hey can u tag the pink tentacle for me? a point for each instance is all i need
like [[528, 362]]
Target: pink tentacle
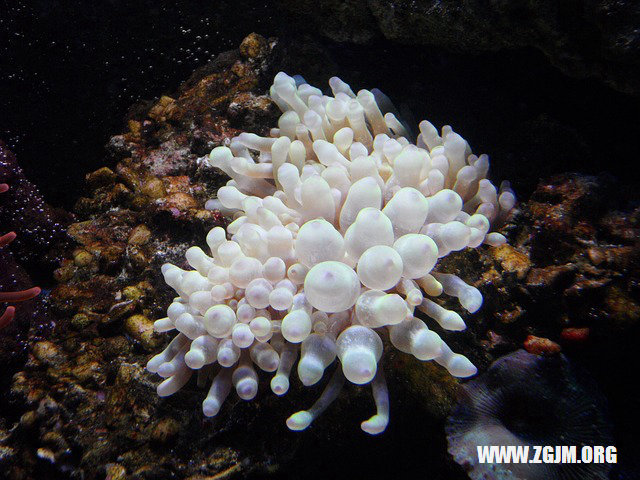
[[20, 296], [7, 238]]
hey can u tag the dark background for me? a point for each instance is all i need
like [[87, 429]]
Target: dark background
[[70, 70]]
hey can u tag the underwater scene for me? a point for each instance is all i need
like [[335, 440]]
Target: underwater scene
[[330, 239]]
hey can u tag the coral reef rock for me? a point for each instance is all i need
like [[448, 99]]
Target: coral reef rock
[[586, 39]]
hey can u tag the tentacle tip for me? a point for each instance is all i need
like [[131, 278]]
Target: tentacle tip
[[210, 408], [375, 425], [473, 307], [473, 301], [461, 367], [163, 389], [151, 368], [279, 385], [309, 376], [194, 359], [166, 370], [455, 322], [7, 238], [247, 389], [299, 420], [359, 367]]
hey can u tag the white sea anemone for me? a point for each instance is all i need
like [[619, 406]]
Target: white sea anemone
[[338, 223]]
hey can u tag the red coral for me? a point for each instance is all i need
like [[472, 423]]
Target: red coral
[[17, 296]]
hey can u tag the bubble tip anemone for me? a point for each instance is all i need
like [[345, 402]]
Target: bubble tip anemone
[[338, 222]]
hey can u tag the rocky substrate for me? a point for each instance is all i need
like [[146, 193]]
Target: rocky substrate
[[597, 38]]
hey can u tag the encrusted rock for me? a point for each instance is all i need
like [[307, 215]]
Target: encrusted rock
[[165, 430], [180, 201], [575, 335], [541, 346], [512, 260], [140, 235], [163, 110], [48, 353], [82, 258], [254, 46], [100, 178], [115, 471], [153, 188], [595, 39], [141, 328]]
